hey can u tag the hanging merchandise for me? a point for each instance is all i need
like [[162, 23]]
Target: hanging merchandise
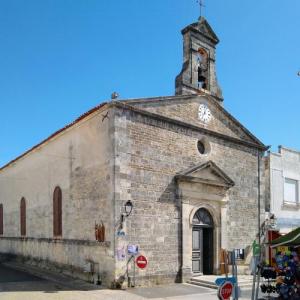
[[284, 277], [288, 280], [269, 274]]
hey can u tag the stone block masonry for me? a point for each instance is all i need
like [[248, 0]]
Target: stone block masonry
[[152, 152]]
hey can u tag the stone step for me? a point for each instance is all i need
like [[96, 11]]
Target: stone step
[[203, 283]]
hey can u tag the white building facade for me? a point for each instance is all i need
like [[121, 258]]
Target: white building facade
[[283, 178]]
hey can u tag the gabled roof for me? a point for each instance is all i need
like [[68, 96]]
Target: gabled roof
[[208, 173], [141, 104], [129, 104], [203, 28]]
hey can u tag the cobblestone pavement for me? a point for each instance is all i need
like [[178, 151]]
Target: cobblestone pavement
[[20, 285]]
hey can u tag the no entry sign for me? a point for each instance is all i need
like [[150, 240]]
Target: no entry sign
[[141, 262], [225, 290]]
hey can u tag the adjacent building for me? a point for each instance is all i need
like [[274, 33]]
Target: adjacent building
[[189, 170], [283, 176]]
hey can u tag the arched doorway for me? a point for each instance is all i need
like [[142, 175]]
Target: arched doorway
[[203, 248]]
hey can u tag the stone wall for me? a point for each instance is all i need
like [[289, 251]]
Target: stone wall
[[70, 257], [79, 161], [185, 108], [151, 152]]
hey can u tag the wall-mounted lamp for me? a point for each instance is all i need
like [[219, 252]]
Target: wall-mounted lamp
[[128, 208], [271, 222]]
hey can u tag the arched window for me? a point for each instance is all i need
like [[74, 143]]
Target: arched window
[[202, 217], [23, 216], [57, 212], [1, 219]]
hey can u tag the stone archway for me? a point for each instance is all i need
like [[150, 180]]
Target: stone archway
[[190, 207], [203, 187], [202, 242]]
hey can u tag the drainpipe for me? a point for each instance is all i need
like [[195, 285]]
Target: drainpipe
[[255, 286], [181, 239], [258, 197], [179, 203], [259, 156]]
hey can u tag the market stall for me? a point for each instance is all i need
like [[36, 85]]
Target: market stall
[[286, 270]]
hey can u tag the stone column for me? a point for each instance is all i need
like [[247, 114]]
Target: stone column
[[217, 246], [186, 243], [224, 241]]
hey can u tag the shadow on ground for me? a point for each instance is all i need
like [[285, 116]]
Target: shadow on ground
[[16, 280], [170, 291]]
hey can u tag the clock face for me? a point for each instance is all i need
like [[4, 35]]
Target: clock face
[[204, 113]]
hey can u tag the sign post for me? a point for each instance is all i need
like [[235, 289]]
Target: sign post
[[225, 290]]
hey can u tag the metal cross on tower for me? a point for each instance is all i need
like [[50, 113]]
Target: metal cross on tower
[[201, 4]]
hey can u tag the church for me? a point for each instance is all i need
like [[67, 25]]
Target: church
[[173, 178]]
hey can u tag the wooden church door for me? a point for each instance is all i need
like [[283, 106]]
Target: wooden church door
[[202, 242]]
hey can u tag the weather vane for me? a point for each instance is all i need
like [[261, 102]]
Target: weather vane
[[201, 4]]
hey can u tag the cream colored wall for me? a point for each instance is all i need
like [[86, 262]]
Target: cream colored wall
[[80, 161]]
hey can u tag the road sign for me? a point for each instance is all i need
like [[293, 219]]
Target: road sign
[[133, 249], [221, 280], [141, 262], [225, 290]]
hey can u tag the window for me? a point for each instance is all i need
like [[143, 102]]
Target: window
[[57, 212], [203, 217], [1, 219], [23, 216], [203, 146], [290, 190]]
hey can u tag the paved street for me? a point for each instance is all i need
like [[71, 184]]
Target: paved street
[[20, 285]]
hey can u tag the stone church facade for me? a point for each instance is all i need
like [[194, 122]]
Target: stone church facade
[[189, 169]]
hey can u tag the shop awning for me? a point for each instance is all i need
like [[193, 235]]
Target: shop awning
[[290, 239]]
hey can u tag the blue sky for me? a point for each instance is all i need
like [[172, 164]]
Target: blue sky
[[60, 58]]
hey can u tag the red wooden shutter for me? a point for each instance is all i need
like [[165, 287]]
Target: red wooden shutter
[[57, 212], [23, 217], [1, 219]]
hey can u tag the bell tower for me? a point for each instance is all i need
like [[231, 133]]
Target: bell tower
[[198, 72]]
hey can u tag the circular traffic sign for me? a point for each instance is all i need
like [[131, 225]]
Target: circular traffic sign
[[225, 290], [141, 262]]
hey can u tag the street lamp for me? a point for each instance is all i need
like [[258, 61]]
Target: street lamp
[[128, 208]]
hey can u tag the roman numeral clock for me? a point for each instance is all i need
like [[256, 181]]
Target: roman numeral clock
[[204, 113]]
